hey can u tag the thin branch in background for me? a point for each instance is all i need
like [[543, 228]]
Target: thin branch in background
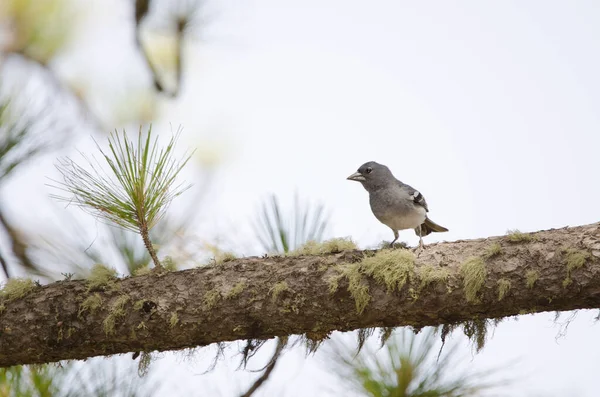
[[137, 194], [18, 247], [141, 10], [4, 266], [268, 369], [186, 17], [181, 25], [153, 71], [182, 16], [250, 349]]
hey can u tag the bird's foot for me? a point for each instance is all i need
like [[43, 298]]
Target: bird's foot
[[417, 250]]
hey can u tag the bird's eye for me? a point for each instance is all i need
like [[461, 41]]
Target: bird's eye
[[368, 170]]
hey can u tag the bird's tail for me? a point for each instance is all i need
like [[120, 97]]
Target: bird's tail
[[430, 226]]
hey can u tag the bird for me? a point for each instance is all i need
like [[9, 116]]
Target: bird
[[395, 204]]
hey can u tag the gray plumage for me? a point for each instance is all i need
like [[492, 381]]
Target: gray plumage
[[395, 204]]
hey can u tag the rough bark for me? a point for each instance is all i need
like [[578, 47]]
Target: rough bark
[[276, 296]]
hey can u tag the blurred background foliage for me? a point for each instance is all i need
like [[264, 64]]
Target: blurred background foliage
[[408, 364], [49, 104]]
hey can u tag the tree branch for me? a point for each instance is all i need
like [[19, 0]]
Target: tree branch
[[259, 298]]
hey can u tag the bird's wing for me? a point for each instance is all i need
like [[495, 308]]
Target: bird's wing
[[416, 196]]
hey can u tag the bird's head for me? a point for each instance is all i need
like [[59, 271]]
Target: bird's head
[[372, 175]]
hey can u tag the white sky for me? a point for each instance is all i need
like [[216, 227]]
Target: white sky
[[490, 109]]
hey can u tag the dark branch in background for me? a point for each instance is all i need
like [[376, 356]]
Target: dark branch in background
[[268, 369], [181, 17], [141, 10], [181, 27], [4, 266], [18, 246]]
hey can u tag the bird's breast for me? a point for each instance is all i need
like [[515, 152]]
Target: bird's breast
[[395, 209]]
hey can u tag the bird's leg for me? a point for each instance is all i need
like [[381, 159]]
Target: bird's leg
[[396, 235], [421, 245]]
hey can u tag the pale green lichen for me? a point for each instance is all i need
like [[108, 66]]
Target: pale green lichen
[[492, 251], [398, 244], [394, 268], [504, 286], [515, 236], [363, 335], [2, 308], [325, 247], [139, 304], [211, 298], [566, 282], [117, 310], [169, 264], [384, 334], [277, 289], [429, 274], [173, 320], [574, 259], [476, 330], [391, 267], [334, 281], [474, 274], [101, 277], [236, 290], [223, 257], [531, 277], [16, 288], [90, 304], [313, 340], [359, 290], [142, 270], [323, 267], [144, 364]]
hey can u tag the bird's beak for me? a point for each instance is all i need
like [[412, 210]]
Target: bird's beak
[[357, 176]]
